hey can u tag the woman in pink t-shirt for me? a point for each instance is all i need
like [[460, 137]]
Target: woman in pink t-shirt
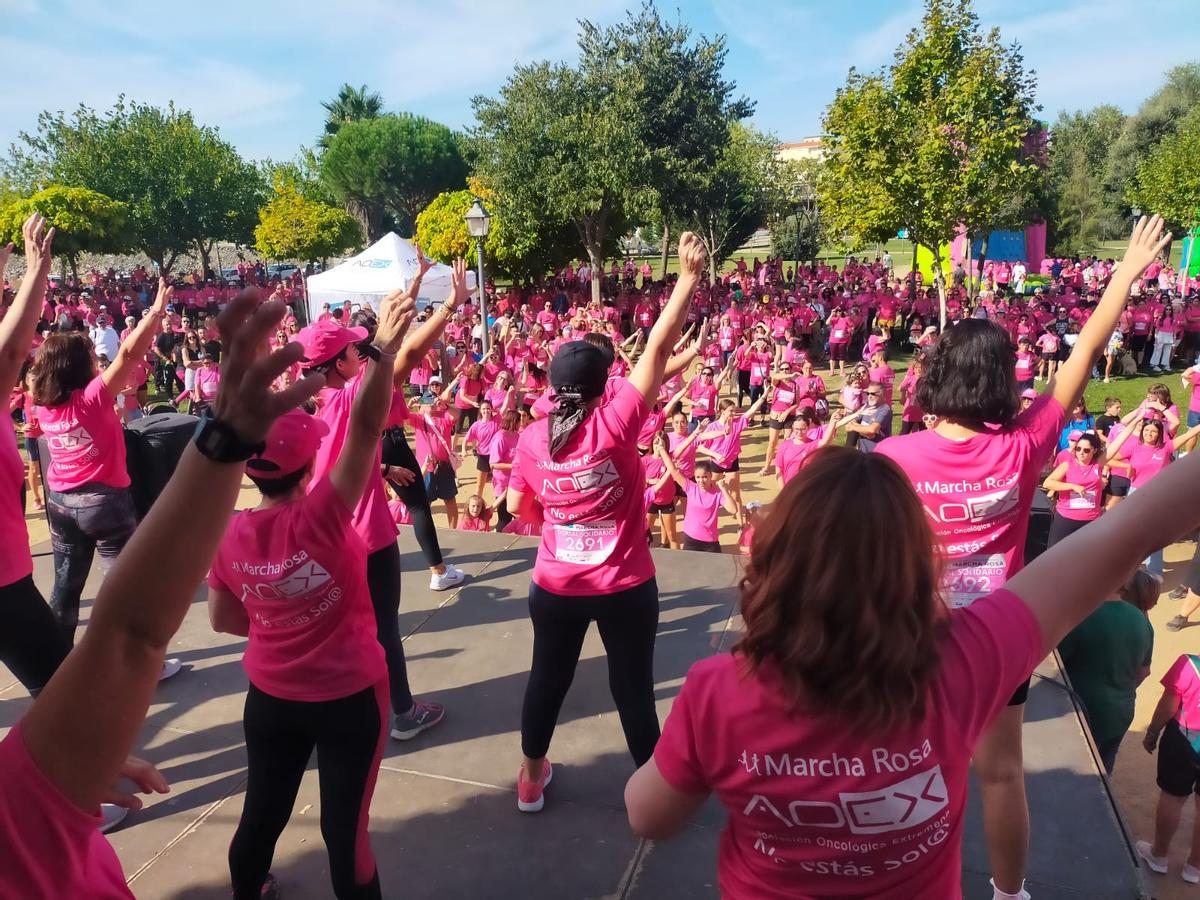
[[1078, 481], [579, 473], [806, 438], [88, 504], [841, 330], [706, 497], [480, 434], [838, 734], [977, 470], [69, 749]]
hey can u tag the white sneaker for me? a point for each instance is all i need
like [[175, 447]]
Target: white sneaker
[[998, 894], [111, 816], [1154, 863], [170, 669], [1190, 874], [452, 577]]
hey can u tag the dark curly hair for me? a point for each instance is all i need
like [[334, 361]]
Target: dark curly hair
[[970, 375]]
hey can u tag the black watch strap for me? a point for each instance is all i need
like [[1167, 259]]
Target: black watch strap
[[218, 442]]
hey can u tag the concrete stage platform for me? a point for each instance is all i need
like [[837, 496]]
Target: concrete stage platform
[[444, 818]]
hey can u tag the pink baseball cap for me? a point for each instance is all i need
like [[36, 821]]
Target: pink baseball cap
[[324, 340], [1075, 435], [1029, 394], [291, 445]]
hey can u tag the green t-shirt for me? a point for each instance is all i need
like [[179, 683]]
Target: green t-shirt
[[1102, 656]]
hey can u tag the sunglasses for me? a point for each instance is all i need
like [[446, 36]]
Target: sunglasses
[[874, 393]]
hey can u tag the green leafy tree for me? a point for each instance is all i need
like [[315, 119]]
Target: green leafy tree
[[1158, 117], [737, 195], [184, 187], [1081, 214], [352, 104], [685, 105], [391, 164], [795, 223], [302, 173], [86, 221], [291, 226], [562, 145], [942, 138], [1168, 180]]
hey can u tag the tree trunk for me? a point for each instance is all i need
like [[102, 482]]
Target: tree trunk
[[712, 256], [595, 263], [204, 250], [666, 247]]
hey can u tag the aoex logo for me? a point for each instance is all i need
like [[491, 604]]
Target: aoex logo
[[373, 263]]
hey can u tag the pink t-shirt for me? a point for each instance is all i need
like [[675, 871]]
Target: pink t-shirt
[[473, 523], [791, 457], [687, 462], [85, 440], [1193, 378], [1147, 461], [1183, 680], [481, 433], [594, 538], [502, 448], [704, 399], [51, 847], [653, 469], [978, 494], [207, 380], [1086, 506], [703, 508], [432, 434], [820, 809], [372, 520], [15, 559], [300, 570], [726, 446], [400, 513]]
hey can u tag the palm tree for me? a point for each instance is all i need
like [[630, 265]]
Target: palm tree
[[350, 105]]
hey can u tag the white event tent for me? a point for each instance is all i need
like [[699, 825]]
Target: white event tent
[[387, 265]]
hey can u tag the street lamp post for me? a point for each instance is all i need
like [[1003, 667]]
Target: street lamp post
[[478, 223]]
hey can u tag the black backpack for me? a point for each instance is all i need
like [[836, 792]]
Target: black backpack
[[154, 445]]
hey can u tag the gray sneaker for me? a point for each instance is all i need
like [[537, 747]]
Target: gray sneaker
[[1178, 623], [421, 717]]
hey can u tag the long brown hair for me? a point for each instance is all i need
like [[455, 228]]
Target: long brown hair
[[64, 363], [840, 597]]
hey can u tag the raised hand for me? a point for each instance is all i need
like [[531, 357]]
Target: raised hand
[[38, 242], [163, 297], [245, 401], [458, 283], [702, 337], [693, 256], [423, 264], [395, 315], [6, 250], [1145, 244]]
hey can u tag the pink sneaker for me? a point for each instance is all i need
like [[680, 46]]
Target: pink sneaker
[[531, 794]]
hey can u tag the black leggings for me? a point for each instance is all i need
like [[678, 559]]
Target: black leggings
[[31, 643], [348, 735], [628, 621], [414, 497], [383, 582], [907, 427], [743, 384], [1061, 527]]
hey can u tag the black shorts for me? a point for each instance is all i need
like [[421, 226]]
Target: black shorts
[[837, 352], [1118, 485], [1050, 357], [735, 466], [1063, 352], [776, 425], [663, 507], [1178, 765], [1021, 694], [482, 463], [441, 483], [690, 543], [1137, 342]]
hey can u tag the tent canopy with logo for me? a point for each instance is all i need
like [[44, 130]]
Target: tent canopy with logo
[[387, 265]]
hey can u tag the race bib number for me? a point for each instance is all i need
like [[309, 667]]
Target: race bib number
[[785, 396], [972, 577], [838, 334], [585, 544], [1086, 500], [758, 371]]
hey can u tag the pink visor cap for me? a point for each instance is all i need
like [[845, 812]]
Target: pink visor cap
[[324, 340], [291, 445]]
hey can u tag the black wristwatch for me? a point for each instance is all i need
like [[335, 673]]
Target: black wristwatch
[[217, 441]]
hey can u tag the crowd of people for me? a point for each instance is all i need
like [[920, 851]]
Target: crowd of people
[[888, 615]]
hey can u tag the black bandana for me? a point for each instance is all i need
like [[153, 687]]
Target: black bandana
[[566, 416]]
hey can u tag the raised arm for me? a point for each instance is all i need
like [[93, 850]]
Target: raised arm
[[19, 323], [1072, 578], [1145, 244], [369, 413], [133, 348], [82, 726], [422, 340], [647, 375]]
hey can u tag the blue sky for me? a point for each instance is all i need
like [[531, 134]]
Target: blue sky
[[258, 70]]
